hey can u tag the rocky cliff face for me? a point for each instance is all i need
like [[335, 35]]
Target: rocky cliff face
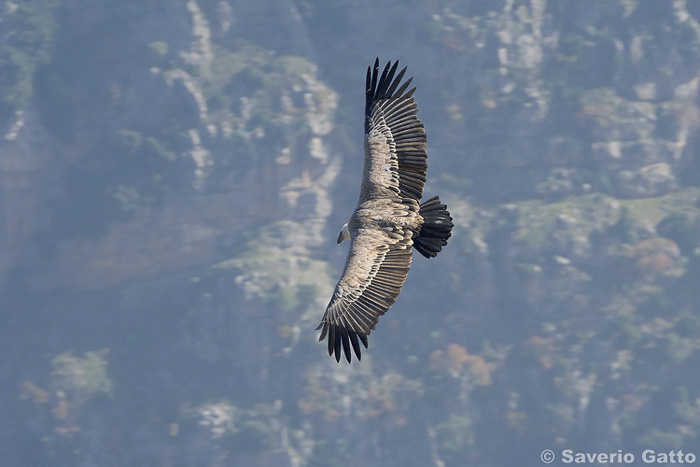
[[172, 178]]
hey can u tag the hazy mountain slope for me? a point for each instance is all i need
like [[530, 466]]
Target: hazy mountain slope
[[173, 177]]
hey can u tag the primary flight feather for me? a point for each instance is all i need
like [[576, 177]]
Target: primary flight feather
[[388, 219]]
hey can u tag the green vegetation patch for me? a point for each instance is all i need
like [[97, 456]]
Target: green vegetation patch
[[82, 377], [654, 209], [26, 47], [619, 118], [160, 48], [253, 93], [271, 273], [580, 215], [584, 214]]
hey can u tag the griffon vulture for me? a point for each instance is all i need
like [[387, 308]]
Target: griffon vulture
[[388, 219]]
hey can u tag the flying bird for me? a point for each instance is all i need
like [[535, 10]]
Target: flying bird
[[388, 220]]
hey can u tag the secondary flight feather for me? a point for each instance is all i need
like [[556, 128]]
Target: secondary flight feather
[[388, 220]]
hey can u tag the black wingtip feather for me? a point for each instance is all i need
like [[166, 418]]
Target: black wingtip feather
[[346, 344], [338, 343], [323, 333], [403, 87], [375, 75], [363, 338], [331, 340], [368, 90], [356, 345]]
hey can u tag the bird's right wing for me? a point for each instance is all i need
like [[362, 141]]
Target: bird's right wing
[[376, 268]]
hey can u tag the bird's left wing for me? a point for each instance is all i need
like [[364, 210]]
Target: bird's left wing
[[376, 268]]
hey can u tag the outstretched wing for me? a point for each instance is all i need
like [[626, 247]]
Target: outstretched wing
[[395, 155], [376, 268]]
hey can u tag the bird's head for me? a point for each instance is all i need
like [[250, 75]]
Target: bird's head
[[344, 233]]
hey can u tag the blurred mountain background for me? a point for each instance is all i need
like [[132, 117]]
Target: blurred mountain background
[[173, 176]]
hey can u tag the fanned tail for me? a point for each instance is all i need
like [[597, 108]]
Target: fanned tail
[[436, 229]]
